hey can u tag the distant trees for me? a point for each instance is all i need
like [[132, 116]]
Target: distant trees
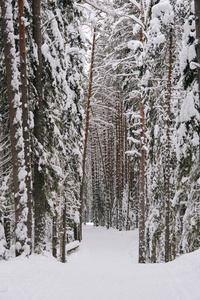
[[141, 71]]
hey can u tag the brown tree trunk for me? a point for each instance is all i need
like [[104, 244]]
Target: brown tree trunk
[[25, 114], [86, 133], [39, 199], [63, 234], [15, 126]]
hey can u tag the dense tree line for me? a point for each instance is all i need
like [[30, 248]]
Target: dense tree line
[[42, 56], [139, 165], [145, 121]]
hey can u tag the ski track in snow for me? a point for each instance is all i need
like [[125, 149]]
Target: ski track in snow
[[104, 268]]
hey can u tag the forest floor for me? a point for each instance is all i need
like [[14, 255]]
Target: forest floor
[[103, 268]]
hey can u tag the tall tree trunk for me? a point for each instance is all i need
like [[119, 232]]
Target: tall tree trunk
[[117, 166], [25, 114], [86, 133], [167, 167], [127, 179], [95, 183], [93, 176], [142, 250], [105, 161], [128, 196], [120, 153], [16, 132], [110, 173], [39, 199], [197, 21]]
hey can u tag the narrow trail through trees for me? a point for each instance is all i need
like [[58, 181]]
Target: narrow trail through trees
[[104, 267]]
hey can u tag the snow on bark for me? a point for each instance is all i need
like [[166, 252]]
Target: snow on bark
[[15, 114], [2, 241]]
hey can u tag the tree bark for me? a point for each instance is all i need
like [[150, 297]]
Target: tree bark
[[94, 179], [16, 132], [120, 153], [7, 227], [110, 173], [117, 166], [167, 167], [142, 250], [197, 21], [39, 199], [25, 114], [63, 234]]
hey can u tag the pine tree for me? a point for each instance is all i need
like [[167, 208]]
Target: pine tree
[[186, 199], [87, 130], [16, 129], [156, 87], [25, 115], [39, 197], [63, 93]]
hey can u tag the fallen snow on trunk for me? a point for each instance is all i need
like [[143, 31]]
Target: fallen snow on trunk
[[103, 268]]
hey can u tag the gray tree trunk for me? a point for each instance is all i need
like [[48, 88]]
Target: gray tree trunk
[[197, 21], [167, 163]]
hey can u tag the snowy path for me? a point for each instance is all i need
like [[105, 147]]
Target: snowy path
[[104, 268]]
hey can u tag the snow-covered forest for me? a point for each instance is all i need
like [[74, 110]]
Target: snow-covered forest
[[99, 122]]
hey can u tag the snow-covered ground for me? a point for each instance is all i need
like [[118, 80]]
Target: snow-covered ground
[[104, 268]]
